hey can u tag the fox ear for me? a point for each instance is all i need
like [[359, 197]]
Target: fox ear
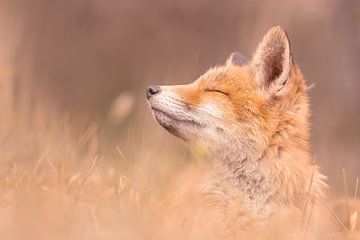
[[272, 62], [237, 59]]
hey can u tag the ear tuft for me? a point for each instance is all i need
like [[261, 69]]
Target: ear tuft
[[236, 59], [272, 62]]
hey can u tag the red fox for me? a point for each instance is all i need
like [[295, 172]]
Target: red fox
[[253, 118]]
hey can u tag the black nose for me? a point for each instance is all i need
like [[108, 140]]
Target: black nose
[[152, 90]]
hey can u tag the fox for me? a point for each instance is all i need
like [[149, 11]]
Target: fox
[[252, 117]]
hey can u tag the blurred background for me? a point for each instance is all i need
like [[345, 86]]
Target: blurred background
[[91, 60]]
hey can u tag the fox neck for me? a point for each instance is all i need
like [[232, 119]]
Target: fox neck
[[242, 177], [271, 179]]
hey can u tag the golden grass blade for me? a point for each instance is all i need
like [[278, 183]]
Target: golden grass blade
[[307, 201], [352, 223], [35, 168], [333, 214], [346, 194], [356, 187], [92, 167], [132, 182]]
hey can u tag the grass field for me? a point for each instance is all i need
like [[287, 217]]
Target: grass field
[[65, 177]]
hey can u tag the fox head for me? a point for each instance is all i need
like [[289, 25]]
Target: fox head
[[242, 103]]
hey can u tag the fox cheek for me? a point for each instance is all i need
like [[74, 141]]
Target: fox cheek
[[211, 109]]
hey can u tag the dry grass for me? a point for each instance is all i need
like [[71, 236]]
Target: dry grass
[[63, 180]]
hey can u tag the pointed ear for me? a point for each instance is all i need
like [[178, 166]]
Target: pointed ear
[[272, 62], [237, 59]]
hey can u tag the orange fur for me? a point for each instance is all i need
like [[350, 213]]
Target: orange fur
[[254, 121]]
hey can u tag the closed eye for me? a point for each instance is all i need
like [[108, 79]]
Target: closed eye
[[217, 91]]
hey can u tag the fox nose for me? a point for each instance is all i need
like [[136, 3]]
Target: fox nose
[[152, 90]]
